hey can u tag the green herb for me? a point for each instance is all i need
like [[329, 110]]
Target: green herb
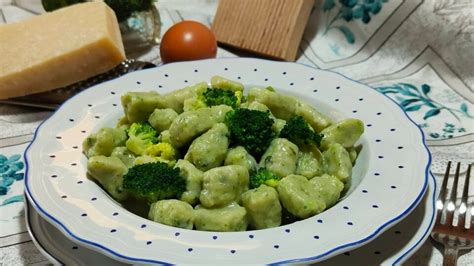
[[123, 8]]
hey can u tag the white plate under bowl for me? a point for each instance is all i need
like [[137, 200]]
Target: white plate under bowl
[[389, 178], [393, 247]]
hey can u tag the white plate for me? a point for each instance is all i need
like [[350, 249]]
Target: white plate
[[389, 179], [392, 247]]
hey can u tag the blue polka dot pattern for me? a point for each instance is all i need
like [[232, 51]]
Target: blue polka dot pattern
[[377, 132]]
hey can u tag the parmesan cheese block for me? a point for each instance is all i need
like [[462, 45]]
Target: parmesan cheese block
[[58, 48]]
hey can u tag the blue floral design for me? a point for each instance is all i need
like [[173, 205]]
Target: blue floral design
[[448, 131], [10, 171], [412, 98], [351, 10]]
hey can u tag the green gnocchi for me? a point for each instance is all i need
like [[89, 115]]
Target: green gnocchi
[[226, 186]]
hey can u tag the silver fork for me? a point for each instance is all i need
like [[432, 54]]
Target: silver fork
[[453, 236]]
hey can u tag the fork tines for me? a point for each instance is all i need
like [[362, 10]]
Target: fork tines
[[447, 207]]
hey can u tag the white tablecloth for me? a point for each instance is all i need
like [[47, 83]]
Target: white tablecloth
[[398, 45]]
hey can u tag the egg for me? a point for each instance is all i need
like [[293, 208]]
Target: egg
[[188, 40]]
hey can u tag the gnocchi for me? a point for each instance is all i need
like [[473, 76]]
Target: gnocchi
[[226, 184]]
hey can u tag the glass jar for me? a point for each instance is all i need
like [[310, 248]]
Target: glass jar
[[141, 31]]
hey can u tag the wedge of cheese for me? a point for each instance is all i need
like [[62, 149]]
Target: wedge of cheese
[[59, 48]]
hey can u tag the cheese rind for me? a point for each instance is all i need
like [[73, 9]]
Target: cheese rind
[[58, 49]]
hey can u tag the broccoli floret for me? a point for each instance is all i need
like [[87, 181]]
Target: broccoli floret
[[214, 97], [154, 181], [124, 8], [298, 131], [263, 176], [141, 136], [163, 151], [251, 129]]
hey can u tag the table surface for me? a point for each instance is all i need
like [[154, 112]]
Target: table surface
[[395, 49]]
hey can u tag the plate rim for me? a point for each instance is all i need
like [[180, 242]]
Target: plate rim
[[327, 254], [395, 261]]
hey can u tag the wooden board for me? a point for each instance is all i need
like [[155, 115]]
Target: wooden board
[[271, 28]]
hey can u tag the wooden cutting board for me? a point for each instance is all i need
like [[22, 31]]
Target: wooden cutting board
[[272, 28]]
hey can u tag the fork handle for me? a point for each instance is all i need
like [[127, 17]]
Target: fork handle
[[450, 256]]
